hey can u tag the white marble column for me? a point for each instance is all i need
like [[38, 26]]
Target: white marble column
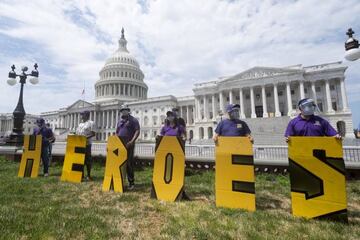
[[117, 117], [180, 112], [103, 122], [263, 93], [276, 101], [221, 100], [328, 97], [213, 107], [71, 121], [301, 87], [199, 109], [252, 101], [231, 100], [241, 98], [206, 110], [108, 119], [344, 100], [111, 118], [187, 115], [313, 92], [288, 98]]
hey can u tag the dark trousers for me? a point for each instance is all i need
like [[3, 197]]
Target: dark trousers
[[130, 165], [88, 160], [45, 158]]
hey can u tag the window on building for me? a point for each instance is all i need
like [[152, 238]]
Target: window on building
[[247, 96], [334, 106], [162, 109], [305, 90], [154, 109], [280, 93], [268, 94], [237, 98], [117, 74], [125, 74], [332, 87], [209, 100], [227, 99], [320, 106], [145, 111], [154, 120], [292, 92], [317, 89], [122, 74]]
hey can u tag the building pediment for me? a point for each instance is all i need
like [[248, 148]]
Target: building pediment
[[263, 72], [80, 104]]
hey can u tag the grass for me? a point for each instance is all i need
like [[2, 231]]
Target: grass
[[45, 208]]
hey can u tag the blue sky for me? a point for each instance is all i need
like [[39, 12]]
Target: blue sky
[[177, 43]]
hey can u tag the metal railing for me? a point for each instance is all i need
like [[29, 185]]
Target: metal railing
[[263, 154]]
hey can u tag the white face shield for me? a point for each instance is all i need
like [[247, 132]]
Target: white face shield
[[234, 114], [308, 107], [124, 113]]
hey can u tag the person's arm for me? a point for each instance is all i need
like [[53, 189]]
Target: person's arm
[[330, 131], [92, 131], [136, 134], [289, 131], [182, 133], [217, 133], [162, 131], [248, 132]]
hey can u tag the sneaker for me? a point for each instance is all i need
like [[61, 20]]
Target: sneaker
[[131, 186], [46, 175]]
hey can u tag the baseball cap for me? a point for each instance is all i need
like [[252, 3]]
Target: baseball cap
[[231, 107]]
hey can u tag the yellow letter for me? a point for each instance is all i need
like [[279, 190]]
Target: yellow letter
[[30, 159], [317, 176], [115, 165], [74, 159], [234, 177], [169, 169]]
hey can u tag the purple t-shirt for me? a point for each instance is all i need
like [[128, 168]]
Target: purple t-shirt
[[167, 130], [126, 128], [235, 127], [315, 126], [45, 132]]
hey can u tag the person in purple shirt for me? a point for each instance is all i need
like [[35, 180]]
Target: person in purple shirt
[[172, 127], [308, 124], [233, 126], [47, 138], [128, 129]]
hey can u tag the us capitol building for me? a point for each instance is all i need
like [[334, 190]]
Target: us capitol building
[[267, 96]]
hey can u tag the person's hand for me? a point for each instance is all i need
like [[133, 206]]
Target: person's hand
[[129, 144], [338, 136], [251, 139], [287, 139], [215, 138]]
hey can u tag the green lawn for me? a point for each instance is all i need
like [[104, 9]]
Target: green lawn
[[45, 208]]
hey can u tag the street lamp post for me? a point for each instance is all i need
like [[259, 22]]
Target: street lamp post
[[17, 135], [352, 50]]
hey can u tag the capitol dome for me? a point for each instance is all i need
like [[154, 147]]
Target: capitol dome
[[121, 77]]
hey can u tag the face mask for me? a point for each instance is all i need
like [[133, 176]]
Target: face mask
[[308, 109], [234, 114], [170, 118]]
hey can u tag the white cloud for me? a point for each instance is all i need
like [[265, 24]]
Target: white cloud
[[177, 42]]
